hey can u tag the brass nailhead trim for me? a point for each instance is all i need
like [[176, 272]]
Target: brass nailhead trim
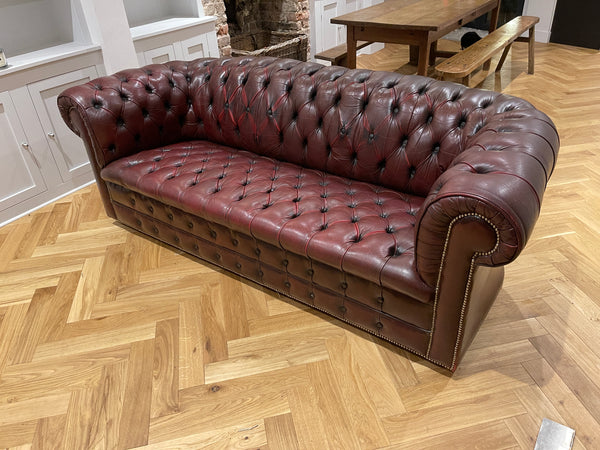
[[468, 285]]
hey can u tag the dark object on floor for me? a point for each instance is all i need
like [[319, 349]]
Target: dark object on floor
[[390, 202], [465, 62], [469, 39]]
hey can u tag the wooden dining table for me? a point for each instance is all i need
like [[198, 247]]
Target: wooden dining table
[[418, 23]]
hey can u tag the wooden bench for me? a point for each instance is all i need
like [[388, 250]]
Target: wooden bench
[[338, 56], [465, 62]]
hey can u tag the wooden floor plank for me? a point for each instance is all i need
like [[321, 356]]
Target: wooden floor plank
[[191, 344], [137, 396], [165, 379], [573, 376], [494, 435], [35, 408], [452, 417], [308, 421], [281, 433], [49, 433], [365, 421], [16, 434], [333, 411]]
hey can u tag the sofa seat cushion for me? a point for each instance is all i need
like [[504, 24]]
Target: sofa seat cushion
[[356, 227]]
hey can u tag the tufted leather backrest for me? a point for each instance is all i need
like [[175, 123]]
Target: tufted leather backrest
[[401, 132]]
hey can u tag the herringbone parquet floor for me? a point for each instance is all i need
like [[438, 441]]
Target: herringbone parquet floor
[[111, 340]]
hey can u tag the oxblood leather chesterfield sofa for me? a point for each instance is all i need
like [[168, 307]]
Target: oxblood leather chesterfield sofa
[[390, 202]]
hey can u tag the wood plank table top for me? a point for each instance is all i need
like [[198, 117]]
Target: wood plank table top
[[414, 22]]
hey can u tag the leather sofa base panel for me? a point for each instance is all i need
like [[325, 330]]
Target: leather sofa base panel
[[258, 269]]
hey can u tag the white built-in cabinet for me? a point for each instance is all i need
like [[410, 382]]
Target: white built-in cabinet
[[325, 34], [48, 48], [183, 44], [54, 44], [20, 173], [166, 30]]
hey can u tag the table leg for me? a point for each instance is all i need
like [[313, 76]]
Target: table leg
[[493, 25], [424, 49], [351, 47]]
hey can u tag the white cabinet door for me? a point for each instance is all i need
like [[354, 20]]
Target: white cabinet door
[[328, 35], [67, 149], [20, 174]]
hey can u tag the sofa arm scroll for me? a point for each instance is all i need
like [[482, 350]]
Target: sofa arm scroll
[[135, 109], [499, 180]]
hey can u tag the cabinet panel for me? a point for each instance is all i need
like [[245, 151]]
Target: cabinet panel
[[160, 55], [196, 47], [20, 175], [68, 152]]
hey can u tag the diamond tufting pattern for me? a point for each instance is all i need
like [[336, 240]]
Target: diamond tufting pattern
[[352, 226]]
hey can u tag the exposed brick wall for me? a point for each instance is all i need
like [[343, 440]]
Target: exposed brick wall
[[285, 15], [217, 8], [254, 15]]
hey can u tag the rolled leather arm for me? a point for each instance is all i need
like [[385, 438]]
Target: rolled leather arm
[[499, 179], [134, 110]]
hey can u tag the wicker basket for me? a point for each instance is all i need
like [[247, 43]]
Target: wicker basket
[[279, 44]]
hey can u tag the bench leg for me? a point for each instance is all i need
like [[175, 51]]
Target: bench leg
[[503, 58], [432, 53], [414, 54], [531, 50]]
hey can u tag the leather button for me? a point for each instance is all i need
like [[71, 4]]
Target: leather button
[[154, 229], [379, 325], [261, 273], [170, 216], [218, 256], [151, 209], [285, 262], [311, 295], [176, 239], [257, 251], [287, 284], [132, 201], [344, 285], [343, 309], [196, 247], [213, 234], [238, 265], [235, 242], [190, 225], [379, 300], [310, 272], [138, 222]]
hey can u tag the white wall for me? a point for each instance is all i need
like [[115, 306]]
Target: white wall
[[108, 26], [544, 9]]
